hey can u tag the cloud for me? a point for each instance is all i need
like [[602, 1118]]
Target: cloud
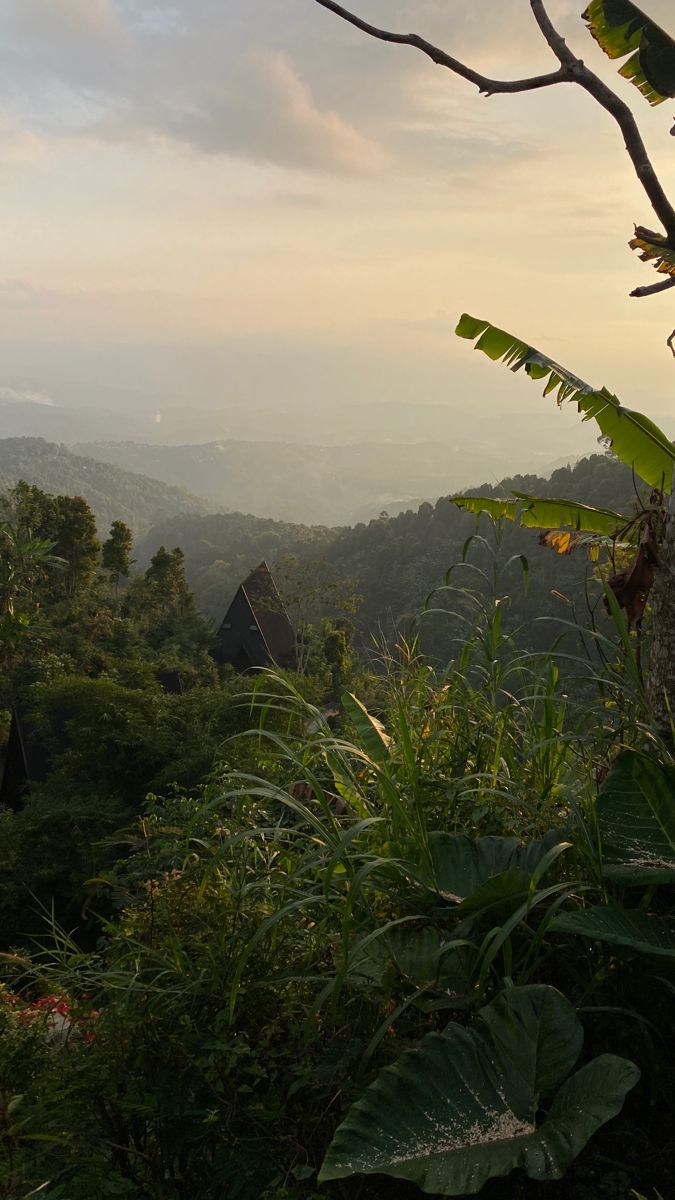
[[273, 81], [19, 293], [43, 19], [11, 395], [264, 112]]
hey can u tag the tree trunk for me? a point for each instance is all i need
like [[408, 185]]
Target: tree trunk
[[661, 676]]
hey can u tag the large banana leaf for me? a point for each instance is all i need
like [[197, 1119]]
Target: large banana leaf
[[537, 513], [635, 439], [620, 28], [463, 1107], [620, 927], [636, 820]]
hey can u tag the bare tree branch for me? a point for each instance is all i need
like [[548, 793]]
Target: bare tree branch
[[637, 151], [653, 288], [486, 86], [670, 342], [572, 70]]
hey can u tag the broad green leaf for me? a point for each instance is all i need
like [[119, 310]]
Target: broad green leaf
[[462, 1108], [373, 737], [635, 439], [501, 894], [462, 864], [536, 1029], [620, 927], [485, 504], [636, 820], [538, 513], [621, 28], [422, 955]]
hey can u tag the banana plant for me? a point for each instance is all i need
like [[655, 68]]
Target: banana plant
[[621, 29], [644, 447]]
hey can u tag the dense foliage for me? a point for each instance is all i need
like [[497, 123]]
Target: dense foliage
[[394, 564], [251, 939], [420, 940]]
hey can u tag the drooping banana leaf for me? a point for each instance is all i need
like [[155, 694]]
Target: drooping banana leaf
[[538, 513], [564, 541], [636, 820], [485, 504], [654, 248], [463, 1107], [620, 927], [621, 28], [635, 439]]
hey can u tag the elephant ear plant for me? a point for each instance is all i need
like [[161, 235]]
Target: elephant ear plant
[[469, 1105], [475, 1102], [636, 824]]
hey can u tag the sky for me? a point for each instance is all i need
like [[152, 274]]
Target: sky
[[208, 197]]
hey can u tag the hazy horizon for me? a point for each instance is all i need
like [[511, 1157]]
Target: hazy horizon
[[217, 208]]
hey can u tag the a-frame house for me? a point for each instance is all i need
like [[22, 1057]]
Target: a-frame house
[[256, 630]]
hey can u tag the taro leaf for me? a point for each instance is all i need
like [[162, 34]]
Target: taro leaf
[[462, 1107], [621, 28], [536, 1030], [636, 820], [620, 927], [635, 439], [416, 954], [374, 738], [536, 513], [462, 864], [503, 893]]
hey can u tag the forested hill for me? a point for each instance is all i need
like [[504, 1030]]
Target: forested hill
[[221, 548], [393, 562], [396, 563], [112, 494]]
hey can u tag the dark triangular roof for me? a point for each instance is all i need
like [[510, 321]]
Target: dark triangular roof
[[256, 630], [270, 614]]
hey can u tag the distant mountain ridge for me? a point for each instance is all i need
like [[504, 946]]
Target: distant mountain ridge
[[112, 493], [309, 484]]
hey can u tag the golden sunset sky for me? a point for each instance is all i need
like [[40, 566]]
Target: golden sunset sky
[[255, 179]]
